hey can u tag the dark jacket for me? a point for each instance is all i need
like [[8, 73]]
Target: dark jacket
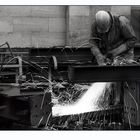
[[120, 32]]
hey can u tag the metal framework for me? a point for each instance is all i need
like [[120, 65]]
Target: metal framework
[[90, 73]]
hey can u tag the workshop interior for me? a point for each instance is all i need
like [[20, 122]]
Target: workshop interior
[[49, 78]]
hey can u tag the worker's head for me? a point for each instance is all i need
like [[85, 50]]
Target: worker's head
[[103, 21]]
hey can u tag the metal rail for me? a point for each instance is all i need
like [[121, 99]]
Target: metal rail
[[88, 74]]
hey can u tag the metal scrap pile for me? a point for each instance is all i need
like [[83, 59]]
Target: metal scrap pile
[[65, 93]]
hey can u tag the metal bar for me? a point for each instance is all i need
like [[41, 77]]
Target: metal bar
[[3, 44], [20, 65], [10, 50], [87, 74], [14, 53], [11, 66], [115, 111]]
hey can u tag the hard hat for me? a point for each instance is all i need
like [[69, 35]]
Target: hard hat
[[103, 21]]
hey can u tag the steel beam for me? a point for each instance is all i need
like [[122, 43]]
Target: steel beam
[[87, 74], [114, 113]]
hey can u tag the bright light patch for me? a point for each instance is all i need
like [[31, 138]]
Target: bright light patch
[[87, 103]]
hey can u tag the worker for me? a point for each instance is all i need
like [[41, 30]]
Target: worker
[[111, 36]]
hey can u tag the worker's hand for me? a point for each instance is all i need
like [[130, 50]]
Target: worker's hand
[[102, 64], [101, 61]]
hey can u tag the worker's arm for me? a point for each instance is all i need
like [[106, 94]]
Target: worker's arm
[[128, 35], [122, 48], [95, 46], [98, 55]]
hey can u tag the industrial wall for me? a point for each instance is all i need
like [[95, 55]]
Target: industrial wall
[[32, 26], [48, 26], [78, 25]]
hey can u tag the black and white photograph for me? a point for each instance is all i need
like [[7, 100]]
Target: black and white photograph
[[70, 67]]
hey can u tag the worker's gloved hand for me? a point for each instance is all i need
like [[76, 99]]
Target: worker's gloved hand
[[101, 63], [101, 60]]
